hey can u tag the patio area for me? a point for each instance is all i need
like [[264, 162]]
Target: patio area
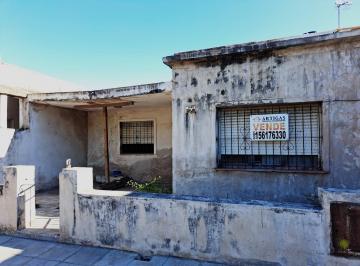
[[45, 224]]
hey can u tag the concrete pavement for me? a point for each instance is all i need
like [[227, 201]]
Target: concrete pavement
[[21, 251]]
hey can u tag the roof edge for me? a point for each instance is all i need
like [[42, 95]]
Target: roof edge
[[12, 91], [102, 93], [251, 47]]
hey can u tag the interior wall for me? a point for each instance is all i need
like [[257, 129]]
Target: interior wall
[[139, 167], [55, 135]]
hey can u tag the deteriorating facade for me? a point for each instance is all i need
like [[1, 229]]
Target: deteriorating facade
[[313, 80]]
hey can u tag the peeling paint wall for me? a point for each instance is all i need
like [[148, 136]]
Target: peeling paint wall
[[194, 227], [140, 167], [55, 134], [329, 73]]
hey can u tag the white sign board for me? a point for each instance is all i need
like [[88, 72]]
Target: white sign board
[[271, 127]]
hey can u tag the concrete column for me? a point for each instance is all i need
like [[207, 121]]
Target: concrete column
[[67, 195], [24, 122], [71, 182], [3, 111]]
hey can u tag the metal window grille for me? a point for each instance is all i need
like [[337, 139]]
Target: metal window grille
[[137, 137], [301, 152]]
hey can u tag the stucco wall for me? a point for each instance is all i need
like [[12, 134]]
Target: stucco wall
[[140, 167], [194, 227], [329, 73], [55, 134]]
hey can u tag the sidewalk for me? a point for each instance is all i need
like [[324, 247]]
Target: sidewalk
[[20, 251]]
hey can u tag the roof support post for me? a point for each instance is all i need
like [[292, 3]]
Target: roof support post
[[24, 119], [106, 144]]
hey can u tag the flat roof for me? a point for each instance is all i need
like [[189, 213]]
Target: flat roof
[[112, 93], [138, 95], [254, 47]]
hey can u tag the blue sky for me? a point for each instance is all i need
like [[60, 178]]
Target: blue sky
[[112, 43]]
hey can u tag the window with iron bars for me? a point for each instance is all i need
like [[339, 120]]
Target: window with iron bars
[[137, 137], [302, 150]]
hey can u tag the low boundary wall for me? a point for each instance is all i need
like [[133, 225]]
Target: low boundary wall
[[17, 197], [194, 227]]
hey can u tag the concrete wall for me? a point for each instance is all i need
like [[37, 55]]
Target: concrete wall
[[140, 167], [329, 73], [17, 197], [194, 227], [54, 135]]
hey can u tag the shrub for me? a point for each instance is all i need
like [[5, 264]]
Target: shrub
[[152, 186]]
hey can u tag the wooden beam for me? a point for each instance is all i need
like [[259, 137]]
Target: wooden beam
[[97, 105], [106, 145]]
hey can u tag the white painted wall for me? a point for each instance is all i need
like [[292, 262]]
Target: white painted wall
[[3, 111], [6, 136]]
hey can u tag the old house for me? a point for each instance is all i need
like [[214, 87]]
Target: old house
[[259, 142], [313, 79]]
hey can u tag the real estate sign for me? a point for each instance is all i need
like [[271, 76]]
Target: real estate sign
[[269, 127]]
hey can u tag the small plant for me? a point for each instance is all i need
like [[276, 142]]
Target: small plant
[[344, 244], [153, 186]]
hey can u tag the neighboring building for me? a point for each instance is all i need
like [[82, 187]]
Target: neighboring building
[[314, 79], [20, 81], [28, 132]]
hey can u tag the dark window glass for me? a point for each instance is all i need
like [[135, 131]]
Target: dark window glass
[[137, 137]]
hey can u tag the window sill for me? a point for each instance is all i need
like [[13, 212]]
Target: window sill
[[321, 172]]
